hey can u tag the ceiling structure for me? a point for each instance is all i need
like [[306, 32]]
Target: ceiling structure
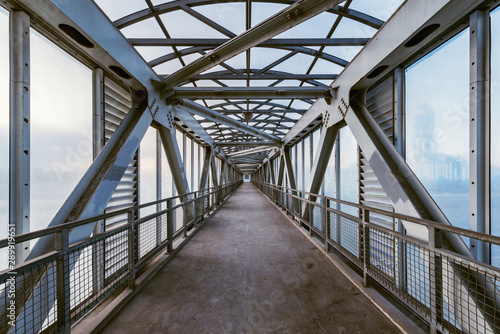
[[251, 100]]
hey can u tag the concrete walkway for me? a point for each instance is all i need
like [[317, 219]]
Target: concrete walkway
[[248, 270]]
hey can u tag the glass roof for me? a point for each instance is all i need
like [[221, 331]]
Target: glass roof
[[173, 34]]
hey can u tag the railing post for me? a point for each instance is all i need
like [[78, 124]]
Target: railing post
[[131, 249], [62, 282], [169, 225], [366, 247], [436, 271], [326, 221]]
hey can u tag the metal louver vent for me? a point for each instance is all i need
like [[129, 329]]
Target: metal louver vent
[[379, 101], [118, 102]]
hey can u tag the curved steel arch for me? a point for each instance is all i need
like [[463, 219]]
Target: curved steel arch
[[177, 5], [299, 49], [259, 102]]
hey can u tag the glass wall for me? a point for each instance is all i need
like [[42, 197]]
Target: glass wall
[[61, 127], [147, 171], [187, 163], [348, 170], [299, 170], [495, 134], [307, 162], [437, 126], [4, 129]]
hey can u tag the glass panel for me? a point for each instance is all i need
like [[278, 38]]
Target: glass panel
[[196, 178], [330, 176], [166, 176], [147, 172], [495, 135], [4, 130], [61, 127], [437, 126], [299, 159], [307, 162], [187, 164], [348, 170]]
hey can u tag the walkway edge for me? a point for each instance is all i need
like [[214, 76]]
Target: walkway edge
[[93, 324], [385, 307]]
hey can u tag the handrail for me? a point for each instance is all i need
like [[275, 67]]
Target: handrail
[[70, 225], [450, 291], [428, 223]]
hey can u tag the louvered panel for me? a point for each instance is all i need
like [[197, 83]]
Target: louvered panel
[[379, 102], [118, 102]]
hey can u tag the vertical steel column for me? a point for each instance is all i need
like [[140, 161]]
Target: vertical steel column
[[480, 131], [62, 282], [192, 164], [19, 154], [400, 142], [337, 184], [97, 145], [158, 186]]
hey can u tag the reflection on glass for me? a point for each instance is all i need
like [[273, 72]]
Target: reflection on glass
[[495, 134], [307, 161], [147, 172], [348, 170], [187, 164], [61, 127], [348, 189], [166, 176], [4, 129], [330, 176], [437, 126]]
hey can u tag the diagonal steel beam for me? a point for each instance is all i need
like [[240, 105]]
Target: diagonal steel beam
[[196, 109], [278, 23]]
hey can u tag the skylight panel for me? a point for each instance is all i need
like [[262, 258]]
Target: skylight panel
[[168, 67], [150, 53], [261, 57], [238, 61], [379, 9], [180, 24], [316, 27], [264, 10], [352, 29], [118, 9], [299, 63], [144, 29], [229, 15], [344, 52], [322, 66]]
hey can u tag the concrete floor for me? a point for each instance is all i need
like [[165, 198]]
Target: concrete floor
[[249, 271]]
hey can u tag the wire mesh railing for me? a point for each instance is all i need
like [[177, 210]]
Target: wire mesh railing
[[48, 294], [452, 292]]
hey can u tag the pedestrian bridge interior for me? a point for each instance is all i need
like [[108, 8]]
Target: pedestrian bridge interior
[[249, 166]]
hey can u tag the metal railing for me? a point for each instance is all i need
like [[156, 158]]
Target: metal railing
[[51, 292], [451, 292]]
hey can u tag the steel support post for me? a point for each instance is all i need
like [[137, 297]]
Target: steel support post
[[63, 271], [323, 154], [131, 248], [326, 221], [400, 142], [170, 226], [480, 131], [19, 153], [436, 279], [97, 145], [175, 162], [192, 164], [337, 187], [158, 187], [365, 250], [291, 178]]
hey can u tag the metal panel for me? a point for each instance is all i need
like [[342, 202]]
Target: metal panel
[[380, 104], [117, 102]]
